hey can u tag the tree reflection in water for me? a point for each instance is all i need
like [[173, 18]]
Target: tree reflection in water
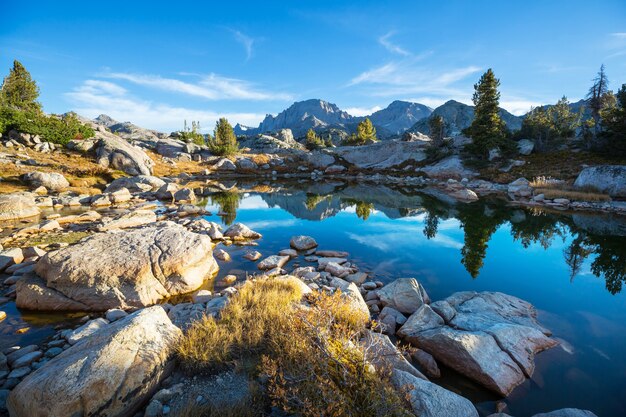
[[228, 201]]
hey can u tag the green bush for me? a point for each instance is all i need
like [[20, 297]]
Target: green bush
[[313, 141], [55, 129]]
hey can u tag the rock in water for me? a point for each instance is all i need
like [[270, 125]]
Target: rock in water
[[491, 337], [17, 206], [111, 373], [431, 400], [302, 242], [120, 269], [404, 294], [610, 179], [114, 152]]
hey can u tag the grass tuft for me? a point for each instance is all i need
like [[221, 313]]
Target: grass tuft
[[309, 354]]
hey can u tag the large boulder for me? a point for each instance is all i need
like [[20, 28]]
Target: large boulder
[[525, 146], [120, 269], [113, 372], [17, 206], [53, 181], [114, 152], [140, 183], [491, 338], [567, 412], [404, 294], [610, 179], [382, 155], [450, 167], [431, 400]]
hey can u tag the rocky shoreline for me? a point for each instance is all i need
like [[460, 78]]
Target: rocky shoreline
[[173, 254]]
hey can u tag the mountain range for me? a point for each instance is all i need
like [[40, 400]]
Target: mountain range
[[392, 121]]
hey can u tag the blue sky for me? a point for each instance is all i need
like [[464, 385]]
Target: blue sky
[[157, 63]]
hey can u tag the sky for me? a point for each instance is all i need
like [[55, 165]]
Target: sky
[[157, 64]]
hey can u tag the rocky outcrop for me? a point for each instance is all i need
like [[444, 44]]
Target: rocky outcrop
[[132, 219], [610, 179], [139, 183], [490, 337], [114, 152], [450, 167], [53, 181], [17, 206], [113, 372], [120, 269], [381, 155]]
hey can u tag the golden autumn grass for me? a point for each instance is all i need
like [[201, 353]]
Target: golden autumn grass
[[309, 354], [82, 172]]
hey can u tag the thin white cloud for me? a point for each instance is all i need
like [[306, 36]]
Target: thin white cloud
[[619, 35], [95, 97], [390, 46], [246, 41], [405, 77], [362, 111], [519, 107], [211, 86]]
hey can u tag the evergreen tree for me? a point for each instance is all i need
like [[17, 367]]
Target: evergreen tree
[[313, 141], [614, 122], [547, 124], [19, 91], [224, 142], [365, 131], [437, 130], [597, 97], [487, 130]]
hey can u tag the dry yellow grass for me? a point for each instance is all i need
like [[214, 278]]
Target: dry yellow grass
[[309, 354], [573, 195], [163, 169], [82, 172]]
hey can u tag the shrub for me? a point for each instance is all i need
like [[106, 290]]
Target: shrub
[[310, 356], [192, 134], [55, 129]]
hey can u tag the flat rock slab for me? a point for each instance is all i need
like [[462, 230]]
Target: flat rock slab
[[491, 337], [110, 373], [18, 206], [120, 269]]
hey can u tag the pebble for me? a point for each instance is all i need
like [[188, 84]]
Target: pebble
[[202, 296], [52, 352], [115, 314], [369, 285], [19, 372], [27, 359]]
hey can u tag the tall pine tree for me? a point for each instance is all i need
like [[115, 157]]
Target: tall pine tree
[[437, 130], [19, 91], [597, 97], [487, 130]]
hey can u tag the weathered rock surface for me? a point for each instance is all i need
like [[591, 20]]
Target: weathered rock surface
[[404, 294], [114, 152], [610, 179], [111, 373], [17, 206], [132, 219], [450, 167], [491, 337], [302, 242], [102, 272], [431, 400], [380, 352], [382, 155], [273, 261], [140, 183], [53, 181], [240, 231]]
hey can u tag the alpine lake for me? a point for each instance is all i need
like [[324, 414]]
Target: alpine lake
[[570, 265]]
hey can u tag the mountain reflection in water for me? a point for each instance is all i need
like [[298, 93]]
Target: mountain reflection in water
[[593, 236]]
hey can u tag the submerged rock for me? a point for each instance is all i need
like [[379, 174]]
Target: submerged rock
[[110, 373], [102, 272]]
